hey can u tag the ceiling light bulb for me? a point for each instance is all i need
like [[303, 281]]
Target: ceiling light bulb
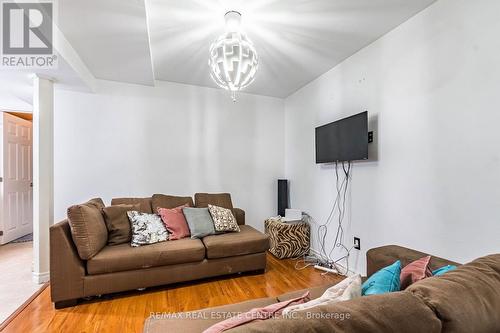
[[233, 21], [233, 59]]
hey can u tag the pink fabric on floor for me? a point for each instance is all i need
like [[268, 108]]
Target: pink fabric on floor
[[256, 314]]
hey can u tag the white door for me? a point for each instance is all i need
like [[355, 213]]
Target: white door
[[17, 184]]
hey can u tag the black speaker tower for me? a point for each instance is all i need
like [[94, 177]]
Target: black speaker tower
[[282, 196]]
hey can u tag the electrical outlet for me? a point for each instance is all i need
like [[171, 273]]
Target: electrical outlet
[[357, 243]]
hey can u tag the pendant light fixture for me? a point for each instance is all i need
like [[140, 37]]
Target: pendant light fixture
[[233, 60]]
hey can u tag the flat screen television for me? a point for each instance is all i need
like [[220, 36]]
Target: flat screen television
[[343, 140]]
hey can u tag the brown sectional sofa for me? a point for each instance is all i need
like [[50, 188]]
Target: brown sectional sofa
[[117, 268], [464, 300]]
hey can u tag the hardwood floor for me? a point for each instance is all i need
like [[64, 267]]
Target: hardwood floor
[[126, 312]]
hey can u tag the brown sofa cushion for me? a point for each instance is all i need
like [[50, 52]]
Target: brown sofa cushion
[[123, 257], [169, 201], [217, 199], [200, 320], [145, 203], [97, 202], [239, 214], [247, 241], [466, 299], [88, 228], [392, 312], [117, 223]]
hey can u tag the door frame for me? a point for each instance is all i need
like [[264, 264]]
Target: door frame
[[16, 113]]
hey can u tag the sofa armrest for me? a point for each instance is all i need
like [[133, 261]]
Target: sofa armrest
[[239, 214], [380, 257], [67, 270]]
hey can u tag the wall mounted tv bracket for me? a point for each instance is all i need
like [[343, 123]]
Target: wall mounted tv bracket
[[370, 137]]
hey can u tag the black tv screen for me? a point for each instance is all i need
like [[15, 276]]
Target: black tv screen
[[343, 140]]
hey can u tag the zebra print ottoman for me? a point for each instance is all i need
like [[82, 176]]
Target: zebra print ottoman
[[288, 240]]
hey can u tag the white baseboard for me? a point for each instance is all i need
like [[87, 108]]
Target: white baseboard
[[41, 277]]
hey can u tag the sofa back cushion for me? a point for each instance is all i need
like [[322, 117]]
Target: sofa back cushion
[[392, 312], [96, 202], [466, 299], [118, 224], [144, 203], [170, 201], [239, 215], [223, 200], [88, 228]]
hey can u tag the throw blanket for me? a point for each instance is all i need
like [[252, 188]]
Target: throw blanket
[[345, 290], [256, 314]]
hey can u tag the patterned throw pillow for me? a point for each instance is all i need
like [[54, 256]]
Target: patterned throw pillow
[[224, 220], [146, 228]]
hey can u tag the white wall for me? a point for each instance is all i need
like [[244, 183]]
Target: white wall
[[130, 140], [432, 89]]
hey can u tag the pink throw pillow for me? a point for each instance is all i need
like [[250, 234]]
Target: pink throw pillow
[[175, 222], [415, 271]]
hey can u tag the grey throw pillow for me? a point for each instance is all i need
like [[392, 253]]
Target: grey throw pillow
[[146, 228], [199, 221]]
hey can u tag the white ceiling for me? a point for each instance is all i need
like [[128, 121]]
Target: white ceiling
[[110, 36], [16, 91], [140, 41], [297, 40], [16, 85]]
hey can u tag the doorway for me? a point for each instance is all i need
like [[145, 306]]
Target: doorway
[[16, 176], [16, 211]]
